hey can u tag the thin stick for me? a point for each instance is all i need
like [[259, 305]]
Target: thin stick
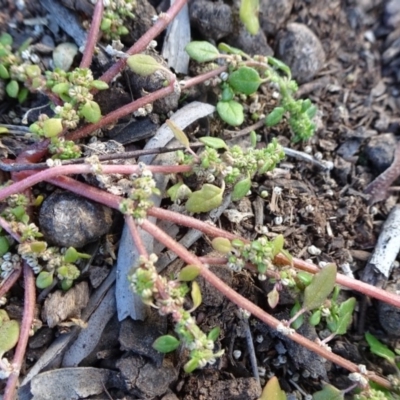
[[27, 319], [93, 35], [136, 235], [7, 227], [9, 282]]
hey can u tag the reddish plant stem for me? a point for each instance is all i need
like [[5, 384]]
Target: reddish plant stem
[[133, 229], [186, 84], [27, 319], [9, 282], [47, 174], [121, 112], [162, 22], [93, 35], [246, 304]]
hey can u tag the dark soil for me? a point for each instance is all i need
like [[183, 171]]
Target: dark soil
[[357, 92]]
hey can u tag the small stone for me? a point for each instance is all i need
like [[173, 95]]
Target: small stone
[[67, 220], [64, 54], [42, 337], [380, 151], [301, 50], [213, 20], [389, 316], [273, 14]]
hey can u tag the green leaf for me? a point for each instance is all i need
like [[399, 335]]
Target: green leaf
[[227, 93], [320, 287], [214, 333], [99, 85], [196, 295], [277, 245], [3, 130], [91, 111], [44, 279], [38, 247], [245, 80], [33, 71], [189, 273], [253, 139], [329, 392], [311, 111], [180, 136], [272, 390], [6, 39], [222, 245], [191, 365], [304, 277], [4, 72], [66, 284], [205, 199], [143, 65], [279, 65], [52, 127], [345, 315], [3, 316], [4, 245], [231, 112], [241, 189], [22, 95], [202, 51], [275, 116], [213, 142], [166, 344], [315, 318], [273, 298], [298, 322], [9, 334], [230, 49], [60, 88], [12, 89], [378, 348], [248, 14], [179, 191], [72, 255]]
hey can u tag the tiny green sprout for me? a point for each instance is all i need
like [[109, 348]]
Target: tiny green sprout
[[222, 245], [205, 199], [166, 344], [342, 320], [213, 142], [52, 127], [178, 192], [196, 295], [72, 255], [44, 279], [275, 116], [245, 80], [66, 284], [248, 14], [379, 349], [90, 111], [231, 112], [272, 390], [241, 189], [298, 322], [4, 245], [38, 247], [315, 318], [202, 51], [214, 333], [143, 64], [12, 88], [231, 50], [4, 74], [9, 333], [189, 273]]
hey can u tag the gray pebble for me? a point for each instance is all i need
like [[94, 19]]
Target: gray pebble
[[273, 14], [389, 316], [380, 151], [67, 220], [301, 50]]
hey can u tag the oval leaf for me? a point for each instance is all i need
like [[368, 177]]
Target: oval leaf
[[222, 245], [277, 245], [178, 133], [52, 127], [196, 295], [231, 112], [214, 333], [329, 392], [91, 111], [205, 199], [273, 391], [273, 298], [143, 64], [12, 89], [44, 280], [241, 189], [202, 51], [275, 116], [4, 74], [4, 245], [9, 334], [230, 49], [166, 344], [379, 348], [245, 80], [279, 65], [213, 142], [191, 365], [320, 287], [248, 14], [345, 315], [189, 273]]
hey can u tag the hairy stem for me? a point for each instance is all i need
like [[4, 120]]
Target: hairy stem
[[9, 282], [133, 229], [27, 319], [93, 35]]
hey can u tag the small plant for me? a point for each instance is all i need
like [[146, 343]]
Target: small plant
[[243, 78]]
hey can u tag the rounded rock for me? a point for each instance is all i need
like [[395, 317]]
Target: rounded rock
[[301, 50], [68, 220], [273, 14], [380, 151]]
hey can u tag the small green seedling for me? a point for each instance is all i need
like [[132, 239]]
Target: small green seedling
[[9, 333]]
